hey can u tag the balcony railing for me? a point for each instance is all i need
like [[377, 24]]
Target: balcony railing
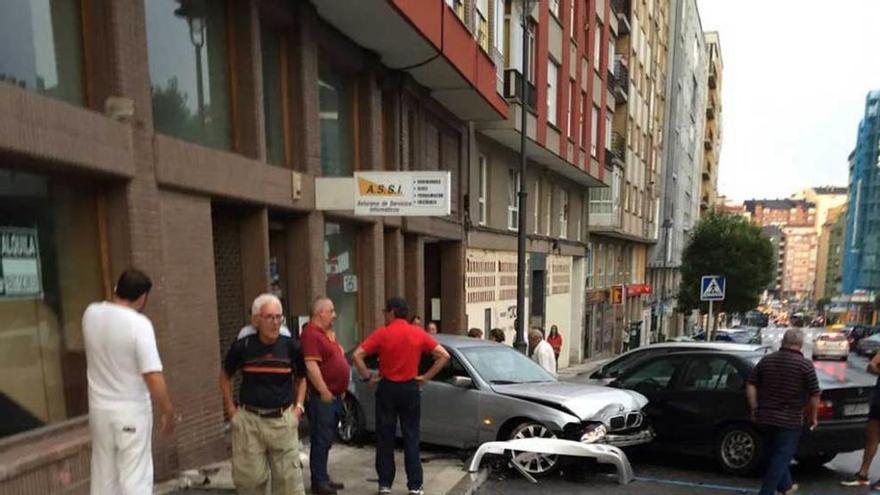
[[512, 88], [713, 76], [622, 8], [618, 146], [621, 79]]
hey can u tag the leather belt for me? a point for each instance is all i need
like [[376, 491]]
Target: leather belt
[[266, 413]]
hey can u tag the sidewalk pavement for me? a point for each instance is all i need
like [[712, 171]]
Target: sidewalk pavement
[[444, 472], [585, 367]]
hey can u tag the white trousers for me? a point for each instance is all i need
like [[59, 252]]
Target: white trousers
[[122, 459]]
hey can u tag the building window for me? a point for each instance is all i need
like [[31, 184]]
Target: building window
[[335, 107], [589, 266], [608, 131], [572, 15], [513, 179], [563, 214], [610, 60], [341, 269], [600, 201], [533, 49], [51, 269], [275, 93], [189, 71], [571, 113], [582, 120], [537, 194], [482, 23], [594, 130], [500, 41], [552, 90], [548, 210], [554, 8], [599, 263], [597, 46], [481, 201], [42, 47], [458, 7]]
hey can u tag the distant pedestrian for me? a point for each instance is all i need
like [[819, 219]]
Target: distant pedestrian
[[265, 444], [417, 320], [328, 373], [398, 395], [778, 389], [431, 328], [542, 352], [497, 335], [124, 371], [475, 333], [872, 433], [555, 341]]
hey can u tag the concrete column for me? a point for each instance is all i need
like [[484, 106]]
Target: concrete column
[[371, 276], [369, 128], [305, 261], [452, 302], [303, 74], [249, 136], [414, 281], [254, 254], [394, 264]]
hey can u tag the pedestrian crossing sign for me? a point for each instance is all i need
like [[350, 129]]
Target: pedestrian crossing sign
[[712, 288]]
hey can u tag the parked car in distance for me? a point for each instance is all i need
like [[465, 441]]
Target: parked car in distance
[[831, 345], [489, 391], [858, 332], [617, 366], [697, 405], [868, 346]]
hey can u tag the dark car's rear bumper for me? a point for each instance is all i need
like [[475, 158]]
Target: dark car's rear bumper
[[833, 437]]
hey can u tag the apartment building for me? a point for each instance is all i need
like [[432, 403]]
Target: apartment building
[[682, 156], [185, 137], [794, 212], [568, 109], [829, 261], [623, 217], [712, 131], [777, 238]]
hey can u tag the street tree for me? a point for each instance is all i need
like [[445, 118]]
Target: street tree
[[728, 245]]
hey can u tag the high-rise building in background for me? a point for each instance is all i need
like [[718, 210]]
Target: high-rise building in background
[[713, 130], [681, 156], [829, 261], [777, 238], [861, 263], [623, 218]]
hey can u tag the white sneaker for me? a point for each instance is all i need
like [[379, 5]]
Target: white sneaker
[[417, 491], [384, 490]]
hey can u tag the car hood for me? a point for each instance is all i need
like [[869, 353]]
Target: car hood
[[585, 401]]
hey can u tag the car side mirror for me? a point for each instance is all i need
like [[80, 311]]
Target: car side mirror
[[462, 382]]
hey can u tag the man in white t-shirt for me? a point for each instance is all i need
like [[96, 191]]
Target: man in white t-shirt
[[124, 370], [542, 351]]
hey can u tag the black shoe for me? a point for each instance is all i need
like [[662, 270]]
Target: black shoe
[[336, 485], [323, 489]]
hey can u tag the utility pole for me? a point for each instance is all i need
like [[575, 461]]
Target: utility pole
[[520, 343]]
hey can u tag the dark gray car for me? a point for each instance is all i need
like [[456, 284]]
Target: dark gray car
[[489, 391]]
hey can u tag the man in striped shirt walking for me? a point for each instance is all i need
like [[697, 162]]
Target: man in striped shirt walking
[[779, 388]]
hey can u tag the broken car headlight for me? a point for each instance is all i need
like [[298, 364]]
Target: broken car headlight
[[594, 434]]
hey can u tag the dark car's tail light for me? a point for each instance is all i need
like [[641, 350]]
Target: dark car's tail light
[[826, 409]]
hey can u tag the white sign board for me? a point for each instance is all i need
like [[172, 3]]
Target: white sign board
[[19, 263], [402, 193]]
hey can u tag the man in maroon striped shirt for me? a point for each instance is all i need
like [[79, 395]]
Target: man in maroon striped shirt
[[779, 388]]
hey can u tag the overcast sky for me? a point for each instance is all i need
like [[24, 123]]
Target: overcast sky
[[796, 73]]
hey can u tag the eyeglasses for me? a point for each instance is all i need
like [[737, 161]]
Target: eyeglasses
[[273, 318]]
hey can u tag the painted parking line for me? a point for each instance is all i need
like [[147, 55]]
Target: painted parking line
[[696, 484]]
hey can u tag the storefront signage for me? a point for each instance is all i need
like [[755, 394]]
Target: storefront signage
[[638, 289], [19, 263], [402, 193], [618, 293], [597, 296]]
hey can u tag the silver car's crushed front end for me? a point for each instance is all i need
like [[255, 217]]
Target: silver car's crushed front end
[[619, 427]]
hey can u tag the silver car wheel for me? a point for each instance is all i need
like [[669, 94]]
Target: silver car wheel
[[738, 449], [532, 463]]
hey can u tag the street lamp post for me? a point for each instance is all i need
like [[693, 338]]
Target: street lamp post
[[195, 12], [667, 225], [520, 343]]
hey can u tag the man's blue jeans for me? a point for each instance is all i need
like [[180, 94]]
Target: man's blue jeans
[[323, 419], [781, 444], [395, 401]]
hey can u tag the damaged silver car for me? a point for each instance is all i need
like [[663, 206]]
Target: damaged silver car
[[490, 392]]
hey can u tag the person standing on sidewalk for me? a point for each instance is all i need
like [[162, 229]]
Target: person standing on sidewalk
[[778, 389], [400, 346], [872, 433], [124, 370], [328, 372], [555, 341], [542, 352], [265, 444]]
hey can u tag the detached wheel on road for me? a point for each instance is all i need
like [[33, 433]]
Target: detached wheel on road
[[351, 425], [739, 449], [532, 463]]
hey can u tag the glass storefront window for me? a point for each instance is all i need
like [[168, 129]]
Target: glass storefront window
[[50, 270], [335, 104], [340, 268], [41, 47], [273, 94], [189, 70]]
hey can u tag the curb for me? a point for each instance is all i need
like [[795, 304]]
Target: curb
[[470, 483]]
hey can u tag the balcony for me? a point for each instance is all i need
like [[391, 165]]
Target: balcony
[[621, 79], [710, 109], [709, 141], [713, 76], [622, 8], [618, 147], [513, 89]]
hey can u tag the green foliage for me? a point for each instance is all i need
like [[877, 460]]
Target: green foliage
[[725, 244]]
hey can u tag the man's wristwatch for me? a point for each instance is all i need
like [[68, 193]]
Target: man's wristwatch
[[300, 407]]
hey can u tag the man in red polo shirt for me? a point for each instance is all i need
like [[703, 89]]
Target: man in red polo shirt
[[328, 373], [400, 346]]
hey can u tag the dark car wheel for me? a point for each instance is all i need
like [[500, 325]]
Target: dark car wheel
[[351, 426], [534, 464], [739, 449], [815, 461]]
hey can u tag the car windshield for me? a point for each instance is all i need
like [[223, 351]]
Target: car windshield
[[501, 365]]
